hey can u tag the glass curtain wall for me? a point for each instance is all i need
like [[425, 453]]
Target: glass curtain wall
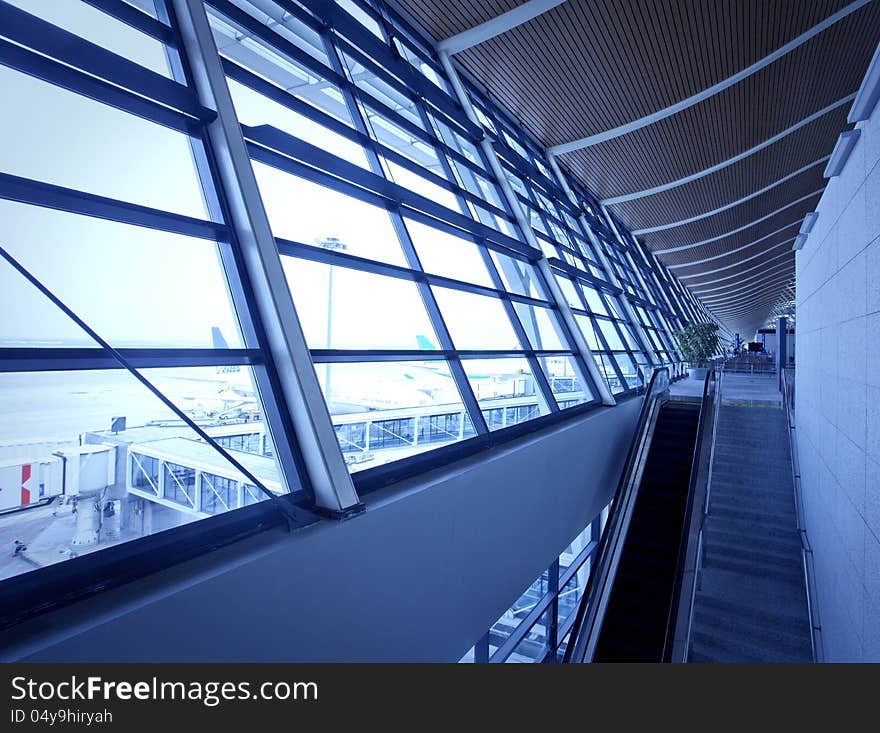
[[136, 380], [126, 319], [426, 317]]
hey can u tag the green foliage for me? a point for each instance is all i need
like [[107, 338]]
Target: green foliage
[[698, 343]]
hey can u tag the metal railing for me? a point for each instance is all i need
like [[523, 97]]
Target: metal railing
[[690, 555], [788, 381], [587, 622]]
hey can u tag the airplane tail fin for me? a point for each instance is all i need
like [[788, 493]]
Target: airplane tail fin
[[424, 344], [220, 343], [217, 338]]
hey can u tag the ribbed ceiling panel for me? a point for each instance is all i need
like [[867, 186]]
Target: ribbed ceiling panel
[[588, 66], [793, 215], [450, 17], [758, 171], [734, 120], [752, 210]]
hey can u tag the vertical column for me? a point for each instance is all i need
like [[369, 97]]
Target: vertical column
[[330, 481], [556, 294], [781, 348]]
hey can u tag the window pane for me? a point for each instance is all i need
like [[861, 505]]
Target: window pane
[[443, 254], [611, 336], [476, 322], [346, 309], [519, 277], [541, 327], [59, 137], [309, 213], [422, 186], [128, 467], [505, 389], [385, 411], [254, 109], [99, 28], [134, 286], [565, 382]]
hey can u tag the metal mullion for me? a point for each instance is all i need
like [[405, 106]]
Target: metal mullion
[[326, 470], [53, 72], [551, 622], [277, 42], [428, 299], [39, 359], [48, 195], [475, 170], [568, 338], [342, 356], [451, 182], [289, 248], [407, 126], [586, 277], [521, 335], [513, 316], [240, 290], [46, 38]]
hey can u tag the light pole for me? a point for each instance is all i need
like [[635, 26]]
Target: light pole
[[331, 243]]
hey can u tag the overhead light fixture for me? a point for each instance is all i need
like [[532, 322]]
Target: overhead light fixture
[[799, 241], [869, 92], [845, 144], [809, 221]]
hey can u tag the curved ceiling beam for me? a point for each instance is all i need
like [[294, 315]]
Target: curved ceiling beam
[[743, 281], [729, 292], [732, 204], [497, 25], [764, 304], [738, 263], [741, 272], [739, 229], [691, 263], [684, 104], [730, 161], [776, 281]]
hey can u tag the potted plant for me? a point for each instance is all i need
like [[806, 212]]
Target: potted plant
[[698, 343]]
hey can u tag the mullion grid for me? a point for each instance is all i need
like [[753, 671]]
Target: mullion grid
[[187, 118], [526, 179], [424, 280], [500, 291], [586, 310], [338, 79]]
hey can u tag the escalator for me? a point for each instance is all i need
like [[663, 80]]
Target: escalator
[[635, 623], [636, 606]]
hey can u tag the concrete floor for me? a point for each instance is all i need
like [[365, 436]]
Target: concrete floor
[[745, 390]]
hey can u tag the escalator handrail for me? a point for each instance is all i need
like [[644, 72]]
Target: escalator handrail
[[652, 393], [707, 407]]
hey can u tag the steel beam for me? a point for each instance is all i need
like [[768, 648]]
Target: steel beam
[[496, 26], [332, 485]]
